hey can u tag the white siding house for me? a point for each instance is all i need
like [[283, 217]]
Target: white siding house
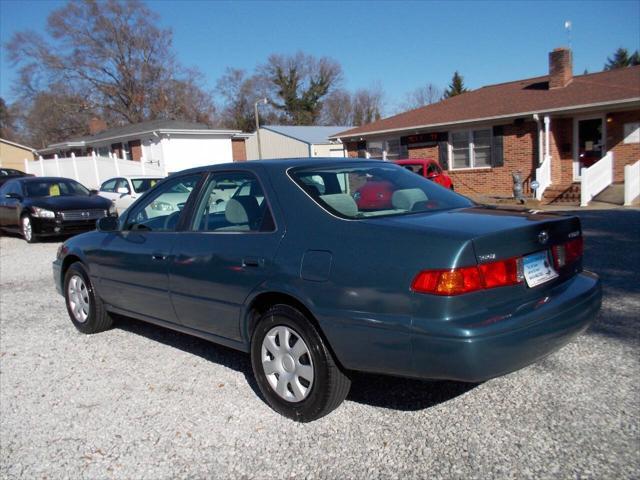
[[170, 145], [294, 142]]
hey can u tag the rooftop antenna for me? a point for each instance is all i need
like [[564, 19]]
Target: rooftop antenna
[[567, 27]]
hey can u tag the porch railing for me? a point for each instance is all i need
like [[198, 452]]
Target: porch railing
[[631, 182], [596, 178], [543, 176]]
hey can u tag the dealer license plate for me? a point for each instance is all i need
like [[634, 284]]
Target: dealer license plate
[[538, 269]]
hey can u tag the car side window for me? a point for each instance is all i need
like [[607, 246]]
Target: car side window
[[12, 187], [233, 202], [122, 183], [161, 210], [109, 186]]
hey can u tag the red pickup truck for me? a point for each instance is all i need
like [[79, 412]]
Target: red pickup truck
[[377, 193], [428, 168]]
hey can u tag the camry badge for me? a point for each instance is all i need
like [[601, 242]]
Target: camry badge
[[543, 237]]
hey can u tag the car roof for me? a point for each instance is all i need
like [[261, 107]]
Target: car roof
[[48, 179], [283, 164]]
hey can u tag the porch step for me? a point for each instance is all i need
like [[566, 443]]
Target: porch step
[[613, 194], [562, 194]]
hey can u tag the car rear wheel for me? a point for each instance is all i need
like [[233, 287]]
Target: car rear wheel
[[27, 229], [85, 308], [293, 366]]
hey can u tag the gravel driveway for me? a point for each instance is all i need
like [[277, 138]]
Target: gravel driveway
[[141, 402]]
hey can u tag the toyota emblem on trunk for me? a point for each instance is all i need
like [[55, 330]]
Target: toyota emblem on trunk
[[543, 237]]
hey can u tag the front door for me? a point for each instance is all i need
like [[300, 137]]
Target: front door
[[133, 264], [589, 144], [227, 254]]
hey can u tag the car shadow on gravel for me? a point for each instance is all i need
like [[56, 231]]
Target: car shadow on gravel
[[374, 390], [611, 251]]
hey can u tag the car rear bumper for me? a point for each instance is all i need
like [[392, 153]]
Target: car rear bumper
[[498, 346]]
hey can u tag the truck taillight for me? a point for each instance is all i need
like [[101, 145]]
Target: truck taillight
[[469, 279], [567, 253]]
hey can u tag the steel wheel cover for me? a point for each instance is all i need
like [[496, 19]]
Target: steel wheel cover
[[287, 364], [27, 231], [78, 296]]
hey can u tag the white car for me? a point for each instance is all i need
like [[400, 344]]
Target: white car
[[123, 191]]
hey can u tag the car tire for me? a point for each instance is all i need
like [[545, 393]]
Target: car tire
[[26, 228], [302, 380], [85, 308]]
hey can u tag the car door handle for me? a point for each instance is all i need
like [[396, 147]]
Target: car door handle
[[252, 262], [158, 257]]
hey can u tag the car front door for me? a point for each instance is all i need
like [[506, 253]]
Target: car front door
[[226, 255], [133, 262], [10, 206]]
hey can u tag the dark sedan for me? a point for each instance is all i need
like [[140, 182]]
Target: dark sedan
[[7, 174], [47, 206], [275, 258]]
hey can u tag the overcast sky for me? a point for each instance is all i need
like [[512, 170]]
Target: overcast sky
[[397, 45]]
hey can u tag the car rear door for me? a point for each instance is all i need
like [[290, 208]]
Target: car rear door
[[226, 255], [133, 263]]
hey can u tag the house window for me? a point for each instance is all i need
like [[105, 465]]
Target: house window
[[392, 147], [470, 148]]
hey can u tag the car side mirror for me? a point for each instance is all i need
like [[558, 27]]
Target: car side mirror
[[13, 195], [107, 224], [93, 191], [122, 190]]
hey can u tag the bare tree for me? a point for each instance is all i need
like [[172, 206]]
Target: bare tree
[[111, 55], [421, 96], [7, 121], [337, 108], [55, 115], [298, 85], [239, 92], [367, 105]]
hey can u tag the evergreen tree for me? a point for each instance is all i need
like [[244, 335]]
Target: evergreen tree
[[456, 87], [621, 59]]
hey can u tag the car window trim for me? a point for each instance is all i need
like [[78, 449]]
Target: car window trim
[[184, 213], [191, 227]]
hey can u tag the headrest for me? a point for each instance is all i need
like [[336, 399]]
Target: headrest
[[405, 199], [342, 203], [241, 210]]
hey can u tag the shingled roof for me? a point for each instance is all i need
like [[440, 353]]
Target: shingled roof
[[514, 99]]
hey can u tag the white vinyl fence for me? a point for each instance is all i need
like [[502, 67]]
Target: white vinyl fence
[[543, 176], [596, 178], [631, 182], [91, 171]]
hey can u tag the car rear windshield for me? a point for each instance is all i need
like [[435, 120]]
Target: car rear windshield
[[374, 190], [54, 188], [141, 185]]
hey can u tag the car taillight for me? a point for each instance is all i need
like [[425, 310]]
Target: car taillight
[[568, 252], [468, 279]]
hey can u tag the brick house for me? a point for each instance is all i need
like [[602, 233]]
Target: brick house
[[549, 128]]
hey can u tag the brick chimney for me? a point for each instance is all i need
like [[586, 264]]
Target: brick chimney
[[560, 68], [97, 125]]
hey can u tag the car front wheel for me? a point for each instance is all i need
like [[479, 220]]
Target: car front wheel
[[27, 229], [84, 306], [293, 366]]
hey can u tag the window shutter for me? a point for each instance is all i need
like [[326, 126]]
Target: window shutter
[[497, 154], [443, 155]]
